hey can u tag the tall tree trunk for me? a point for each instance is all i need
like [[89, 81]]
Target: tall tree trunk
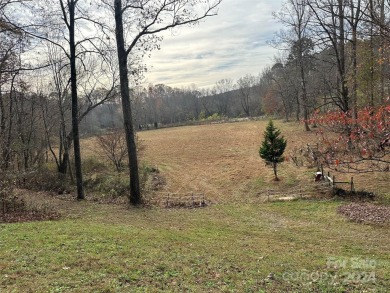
[[372, 64], [341, 62], [2, 128], [298, 113], [66, 144], [300, 31], [75, 119], [7, 145], [135, 194], [303, 85], [354, 72], [63, 164], [381, 52], [286, 110], [355, 18]]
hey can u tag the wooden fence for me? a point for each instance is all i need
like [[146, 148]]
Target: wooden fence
[[324, 184], [331, 179], [314, 153]]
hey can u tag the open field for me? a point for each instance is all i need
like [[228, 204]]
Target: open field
[[237, 244], [222, 160]]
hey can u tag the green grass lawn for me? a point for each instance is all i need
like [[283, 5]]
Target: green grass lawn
[[299, 246]]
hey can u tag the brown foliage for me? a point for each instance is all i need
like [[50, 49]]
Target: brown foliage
[[366, 213], [28, 216], [358, 144]]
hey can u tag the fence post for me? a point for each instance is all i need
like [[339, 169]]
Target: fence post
[[352, 187], [268, 194], [328, 178]]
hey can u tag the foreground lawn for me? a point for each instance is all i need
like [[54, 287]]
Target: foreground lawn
[[299, 246]]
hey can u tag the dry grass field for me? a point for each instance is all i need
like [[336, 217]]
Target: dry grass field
[[222, 160]]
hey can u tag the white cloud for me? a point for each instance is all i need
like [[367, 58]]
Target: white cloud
[[229, 45]]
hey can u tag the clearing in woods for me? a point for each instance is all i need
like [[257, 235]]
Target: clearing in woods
[[222, 160]]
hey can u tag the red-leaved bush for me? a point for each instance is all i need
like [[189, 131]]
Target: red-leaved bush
[[352, 144]]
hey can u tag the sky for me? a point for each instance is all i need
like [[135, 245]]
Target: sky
[[230, 45]]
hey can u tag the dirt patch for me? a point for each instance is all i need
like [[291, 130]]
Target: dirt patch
[[366, 213]]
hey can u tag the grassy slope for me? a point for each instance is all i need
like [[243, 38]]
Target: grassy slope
[[225, 247], [221, 160]]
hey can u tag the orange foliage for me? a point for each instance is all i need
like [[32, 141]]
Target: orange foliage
[[362, 143]]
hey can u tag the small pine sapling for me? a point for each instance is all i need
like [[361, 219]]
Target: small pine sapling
[[272, 148]]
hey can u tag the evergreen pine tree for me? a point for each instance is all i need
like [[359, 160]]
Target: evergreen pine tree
[[272, 147]]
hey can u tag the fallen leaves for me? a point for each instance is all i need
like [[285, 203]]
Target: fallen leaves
[[28, 216], [366, 213]]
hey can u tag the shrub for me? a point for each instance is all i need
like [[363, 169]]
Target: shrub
[[45, 178], [215, 117], [93, 165], [113, 185]]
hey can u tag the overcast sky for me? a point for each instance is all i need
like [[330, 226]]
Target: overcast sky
[[229, 45]]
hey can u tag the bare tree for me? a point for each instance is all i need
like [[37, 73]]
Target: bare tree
[[377, 18], [113, 146], [69, 17], [329, 26], [205, 101], [60, 37], [296, 15], [287, 86], [148, 19], [63, 24], [223, 95], [11, 45], [355, 17], [60, 92], [245, 86]]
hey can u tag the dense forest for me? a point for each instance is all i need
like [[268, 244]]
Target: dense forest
[[59, 71]]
